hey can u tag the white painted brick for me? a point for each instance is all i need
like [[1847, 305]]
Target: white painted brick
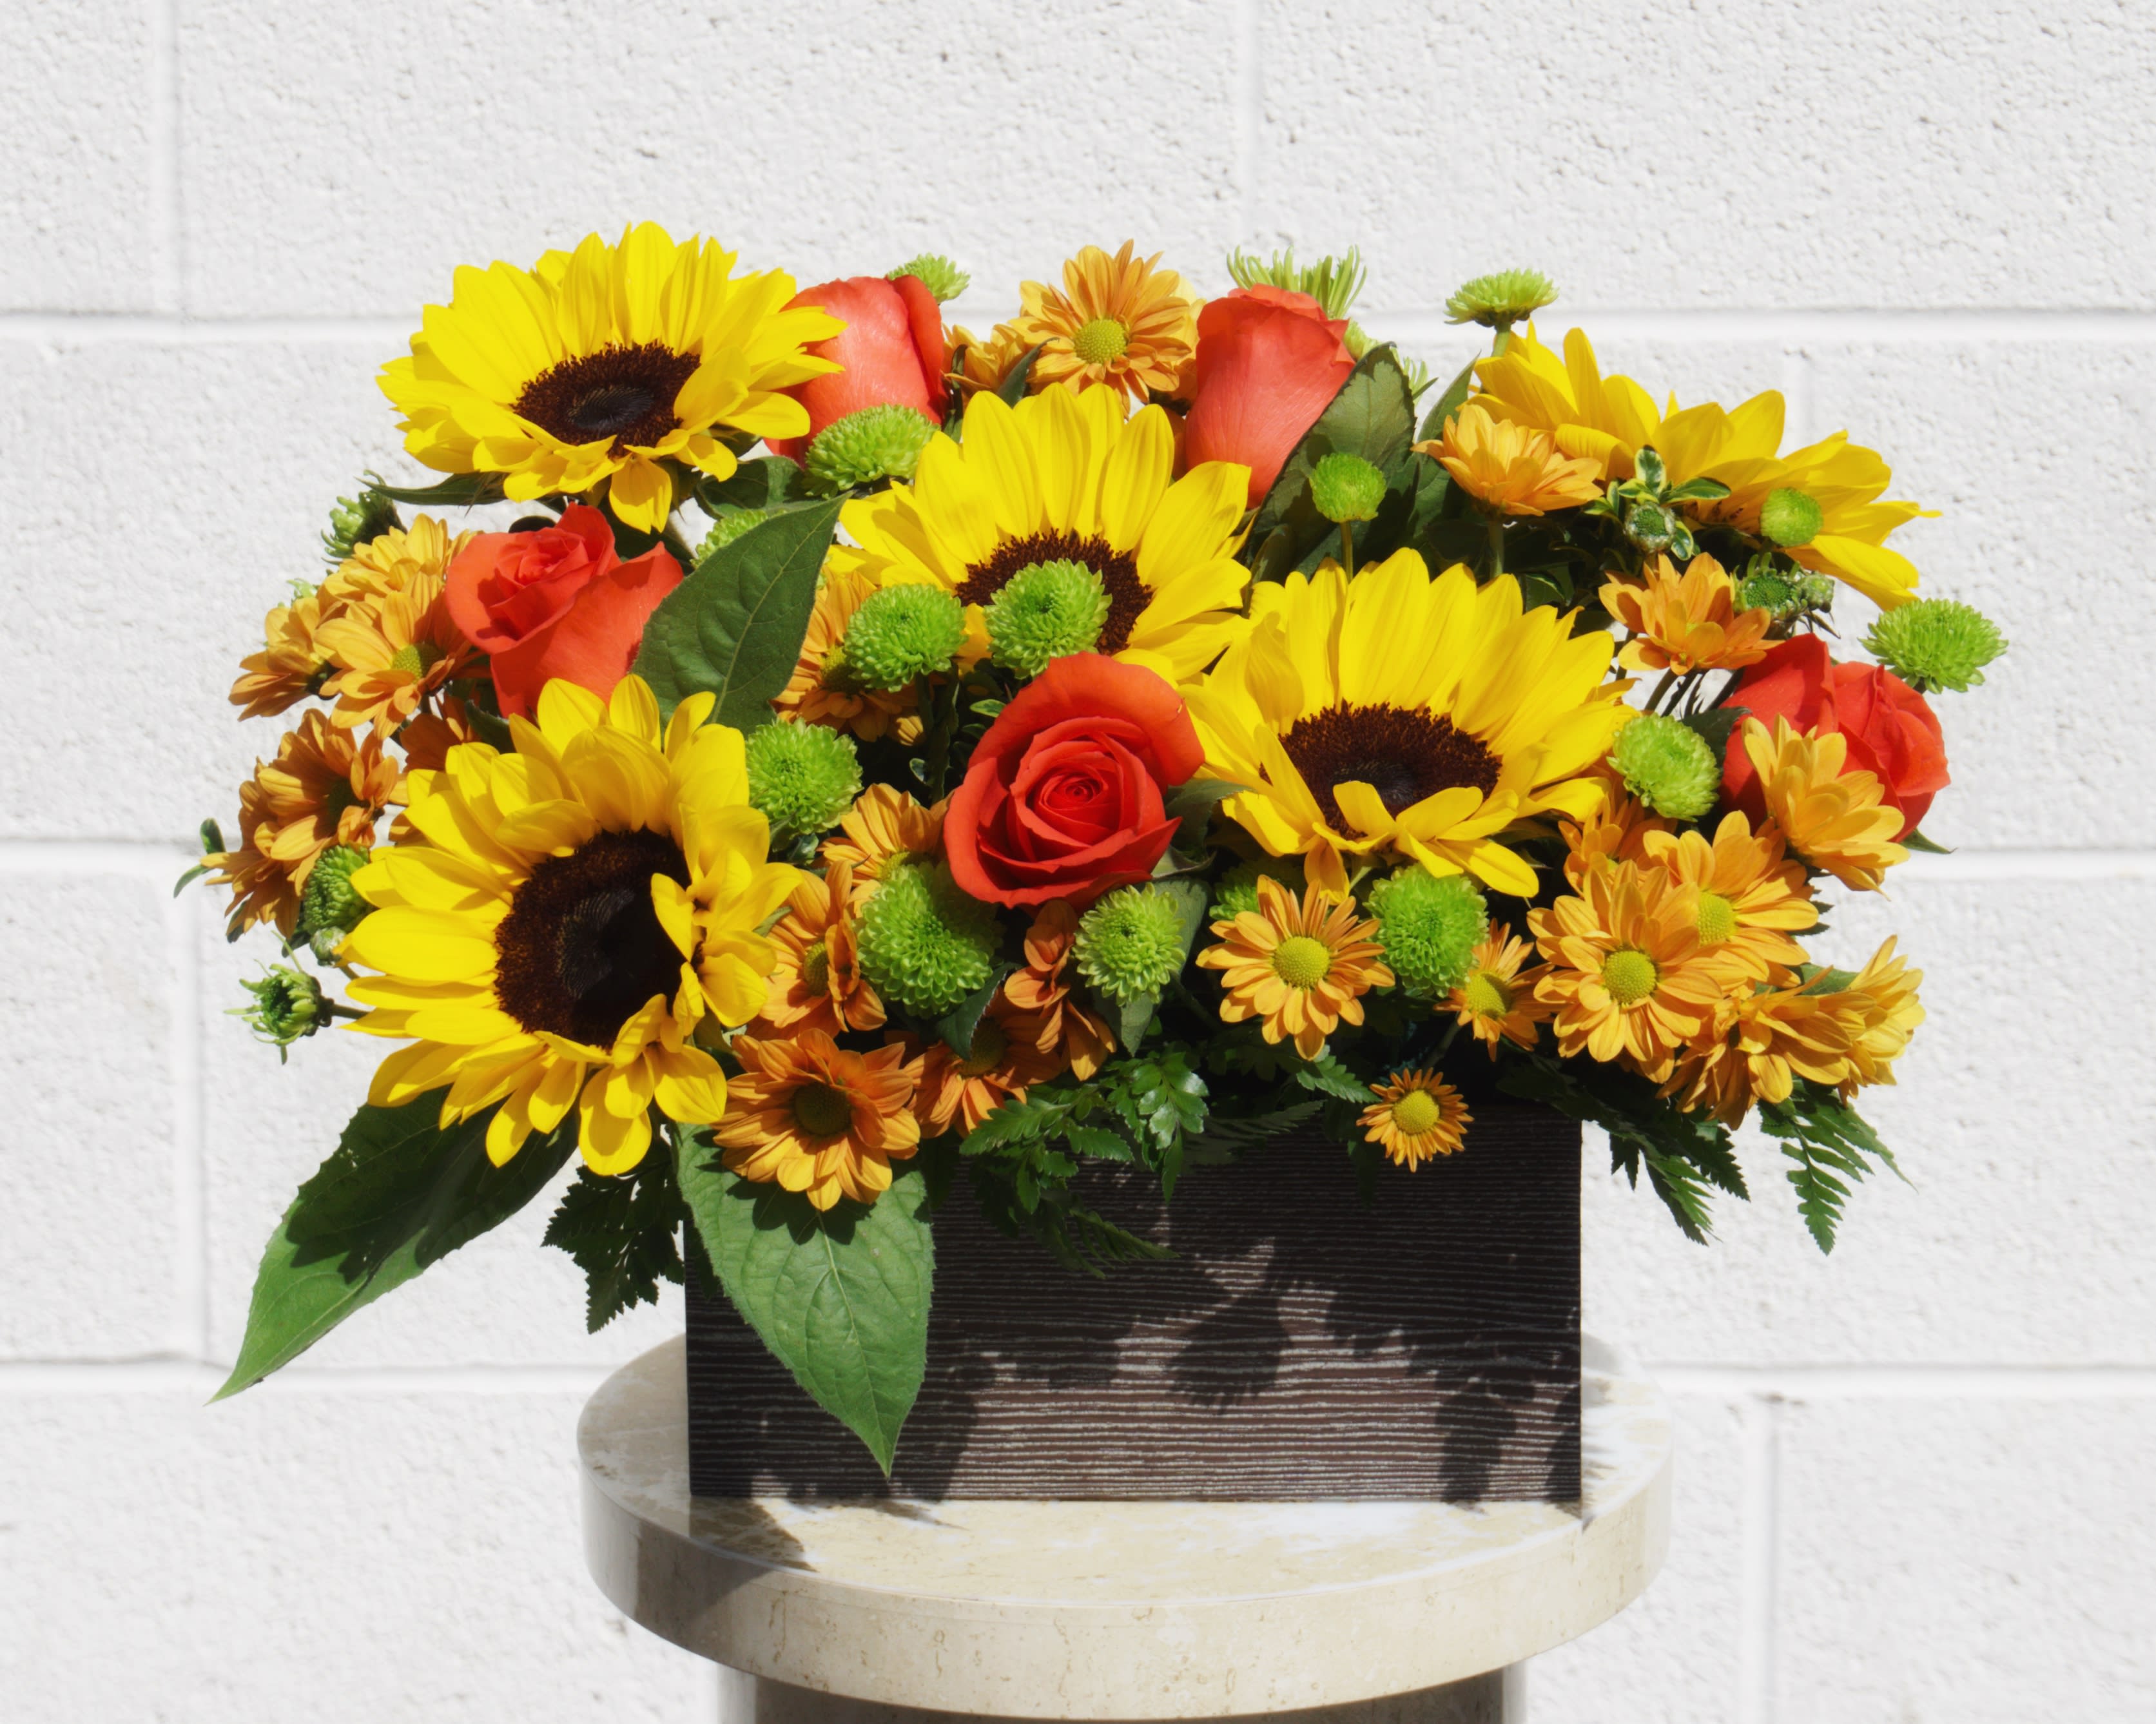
[[1671, 156], [2016, 1115], [75, 182], [89, 1229], [1983, 1562], [1672, 1658], [356, 1557], [346, 165]]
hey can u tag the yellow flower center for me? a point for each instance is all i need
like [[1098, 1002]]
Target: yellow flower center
[[1415, 1112], [1487, 996], [1099, 341], [1630, 975], [1717, 919], [821, 1110], [816, 968], [1302, 961], [416, 657], [987, 1048]]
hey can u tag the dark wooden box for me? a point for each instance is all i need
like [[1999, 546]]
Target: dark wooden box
[[1303, 1344]]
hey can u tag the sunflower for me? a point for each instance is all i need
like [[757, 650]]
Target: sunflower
[[1004, 1059], [1298, 968], [397, 651], [1628, 975], [820, 1119], [1686, 623], [821, 691], [1605, 420], [1064, 479], [292, 663], [1511, 468], [392, 560], [1399, 713], [599, 364], [1833, 818], [1041, 993], [1417, 1115], [1751, 899], [818, 983], [1616, 831], [326, 787], [885, 828], [566, 920], [1118, 320], [978, 364], [1496, 1001]]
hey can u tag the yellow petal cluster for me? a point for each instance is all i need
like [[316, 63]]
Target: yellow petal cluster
[[1511, 468], [1686, 623], [1831, 816]]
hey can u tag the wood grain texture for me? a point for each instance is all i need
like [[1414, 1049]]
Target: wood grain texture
[[1301, 1345]]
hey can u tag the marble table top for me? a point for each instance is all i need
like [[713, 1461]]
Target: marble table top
[[1095, 1610]]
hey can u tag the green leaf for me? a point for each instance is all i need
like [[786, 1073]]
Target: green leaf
[[398, 1195], [769, 482], [956, 1026], [1193, 804], [460, 491], [623, 1232], [735, 626], [1454, 398], [1228, 1136], [1098, 1142], [1715, 724], [841, 1298], [1918, 841], [1373, 416], [1326, 1075], [1829, 1142], [1012, 1122], [1130, 1016], [1011, 389]]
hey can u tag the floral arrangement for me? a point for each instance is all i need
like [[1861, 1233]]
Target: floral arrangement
[[1161, 724]]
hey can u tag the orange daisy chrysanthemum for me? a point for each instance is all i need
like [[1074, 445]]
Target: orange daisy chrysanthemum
[[1616, 832], [1298, 968], [1628, 975], [326, 787], [818, 983], [1886, 988], [1767, 1040], [885, 828], [808, 1116], [1752, 898], [977, 364], [1832, 817], [1005, 1061], [821, 692], [1686, 623], [1041, 993], [292, 663], [1495, 1000], [390, 561], [1511, 468], [1417, 1115], [428, 739], [396, 650], [1118, 320]]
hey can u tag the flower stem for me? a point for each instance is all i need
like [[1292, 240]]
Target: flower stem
[[1496, 546]]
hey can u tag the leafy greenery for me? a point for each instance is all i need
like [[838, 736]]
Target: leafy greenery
[[398, 1195], [840, 1297], [624, 1232], [1372, 416], [1829, 1144], [735, 626]]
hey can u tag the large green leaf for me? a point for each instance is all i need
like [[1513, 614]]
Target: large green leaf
[[734, 626], [841, 1299], [398, 1195]]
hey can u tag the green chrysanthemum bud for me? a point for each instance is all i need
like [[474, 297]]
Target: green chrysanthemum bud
[[1784, 592], [882, 442], [801, 777], [1346, 487], [287, 1005], [728, 528], [924, 945], [902, 632], [1935, 644], [1500, 300], [1046, 611], [329, 907], [1130, 944], [1667, 765], [354, 520], [937, 274], [1429, 925], [1332, 282], [1790, 519]]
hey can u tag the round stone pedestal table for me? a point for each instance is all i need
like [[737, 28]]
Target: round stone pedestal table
[[895, 1611]]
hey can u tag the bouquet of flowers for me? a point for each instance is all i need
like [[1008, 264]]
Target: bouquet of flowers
[[1159, 724]]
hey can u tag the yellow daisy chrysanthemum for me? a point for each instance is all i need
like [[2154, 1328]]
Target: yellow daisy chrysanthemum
[[1417, 1115], [1298, 967], [292, 663], [1589, 416], [1511, 468], [1886, 987], [1767, 1040], [1067, 479], [820, 1119], [885, 828], [397, 651], [1399, 713], [975, 362], [1832, 817], [1615, 832], [392, 560], [817, 982], [1751, 898], [598, 364], [1118, 320], [566, 918], [1686, 623], [1495, 1001]]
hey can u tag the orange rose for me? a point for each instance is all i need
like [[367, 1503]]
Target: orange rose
[[1268, 363]]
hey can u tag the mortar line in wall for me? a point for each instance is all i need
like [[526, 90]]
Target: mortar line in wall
[[199, 1379], [162, 118], [191, 1271], [1884, 1382], [1760, 1553], [1796, 397]]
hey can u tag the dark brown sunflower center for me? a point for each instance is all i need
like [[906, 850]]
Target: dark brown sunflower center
[[1404, 755], [626, 393], [1119, 577], [581, 948]]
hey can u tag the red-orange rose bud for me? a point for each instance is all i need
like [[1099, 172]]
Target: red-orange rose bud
[[1268, 363], [891, 348]]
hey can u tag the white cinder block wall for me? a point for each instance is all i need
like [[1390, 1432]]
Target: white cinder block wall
[[1914, 1481]]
